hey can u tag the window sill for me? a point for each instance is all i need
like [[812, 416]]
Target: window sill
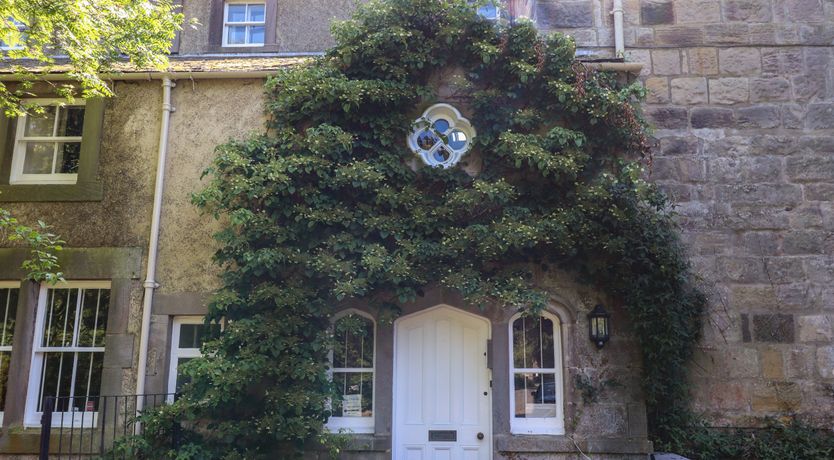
[[268, 48], [82, 191]]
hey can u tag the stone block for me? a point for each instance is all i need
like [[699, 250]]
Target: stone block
[[679, 36], [679, 169], [642, 56], [657, 89], [679, 146], [759, 116], [702, 61], [816, 144], [816, 328], [808, 168], [793, 116], [774, 145], [689, 90], [808, 86], [721, 395], [728, 90], [560, 15], [668, 117], [776, 397], [773, 366], [710, 117], [800, 362], [815, 34], [740, 61], [769, 89], [758, 243], [755, 216], [725, 34], [825, 362], [773, 328], [820, 116], [654, 13], [697, 11], [737, 363], [799, 10], [782, 61], [666, 62], [747, 10]]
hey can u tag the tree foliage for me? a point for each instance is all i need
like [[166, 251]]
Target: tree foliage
[[88, 35], [327, 207], [42, 264]]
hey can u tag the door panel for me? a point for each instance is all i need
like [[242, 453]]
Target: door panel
[[442, 383]]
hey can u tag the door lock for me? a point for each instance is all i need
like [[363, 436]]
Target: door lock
[[480, 436]]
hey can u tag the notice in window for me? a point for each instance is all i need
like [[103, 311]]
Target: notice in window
[[352, 405]]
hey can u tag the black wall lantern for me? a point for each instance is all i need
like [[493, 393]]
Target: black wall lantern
[[598, 326]]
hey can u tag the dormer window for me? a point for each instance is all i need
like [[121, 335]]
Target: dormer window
[[244, 24]]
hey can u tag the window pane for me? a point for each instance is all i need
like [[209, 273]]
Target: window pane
[[533, 345], [357, 393], [68, 156], [535, 395], [193, 335], [38, 158], [457, 139], [256, 13], [236, 35], [8, 310], [354, 342], [548, 348], [70, 121], [256, 35], [41, 124], [5, 357], [181, 379], [236, 12], [87, 381], [60, 317], [56, 379], [94, 306]]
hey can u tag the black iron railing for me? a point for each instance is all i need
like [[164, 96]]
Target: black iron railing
[[83, 427]]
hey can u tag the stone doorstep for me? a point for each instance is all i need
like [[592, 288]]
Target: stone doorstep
[[564, 444]]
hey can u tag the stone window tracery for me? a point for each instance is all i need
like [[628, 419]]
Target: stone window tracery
[[441, 136]]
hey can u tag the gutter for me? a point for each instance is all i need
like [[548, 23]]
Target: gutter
[[150, 283], [148, 75]]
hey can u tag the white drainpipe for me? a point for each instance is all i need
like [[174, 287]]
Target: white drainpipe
[[150, 283], [619, 45]]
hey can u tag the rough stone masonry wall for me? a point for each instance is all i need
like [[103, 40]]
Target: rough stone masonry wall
[[742, 96]]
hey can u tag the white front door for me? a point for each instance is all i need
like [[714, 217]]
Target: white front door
[[442, 397]]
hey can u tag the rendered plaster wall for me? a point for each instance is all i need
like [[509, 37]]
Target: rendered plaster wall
[[742, 96], [302, 25]]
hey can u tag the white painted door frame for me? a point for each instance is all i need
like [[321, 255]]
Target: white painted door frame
[[478, 388]]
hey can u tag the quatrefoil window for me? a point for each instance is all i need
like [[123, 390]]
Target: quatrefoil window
[[441, 136]]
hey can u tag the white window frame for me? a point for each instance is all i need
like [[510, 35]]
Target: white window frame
[[226, 24], [32, 417], [7, 348], [363, 425], [18, 157], [177, 352], [539, 425]]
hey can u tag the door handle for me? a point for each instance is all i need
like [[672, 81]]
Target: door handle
[[480, 436]]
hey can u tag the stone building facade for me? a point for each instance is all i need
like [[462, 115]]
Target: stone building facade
[[741, 93]]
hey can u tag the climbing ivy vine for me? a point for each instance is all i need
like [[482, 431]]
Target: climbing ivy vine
[[328, 206]]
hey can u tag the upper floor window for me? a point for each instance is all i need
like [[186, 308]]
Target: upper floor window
[[244, 24], [353, 373], [536, 402], [8, 311], [48, 144], [70, 332]]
